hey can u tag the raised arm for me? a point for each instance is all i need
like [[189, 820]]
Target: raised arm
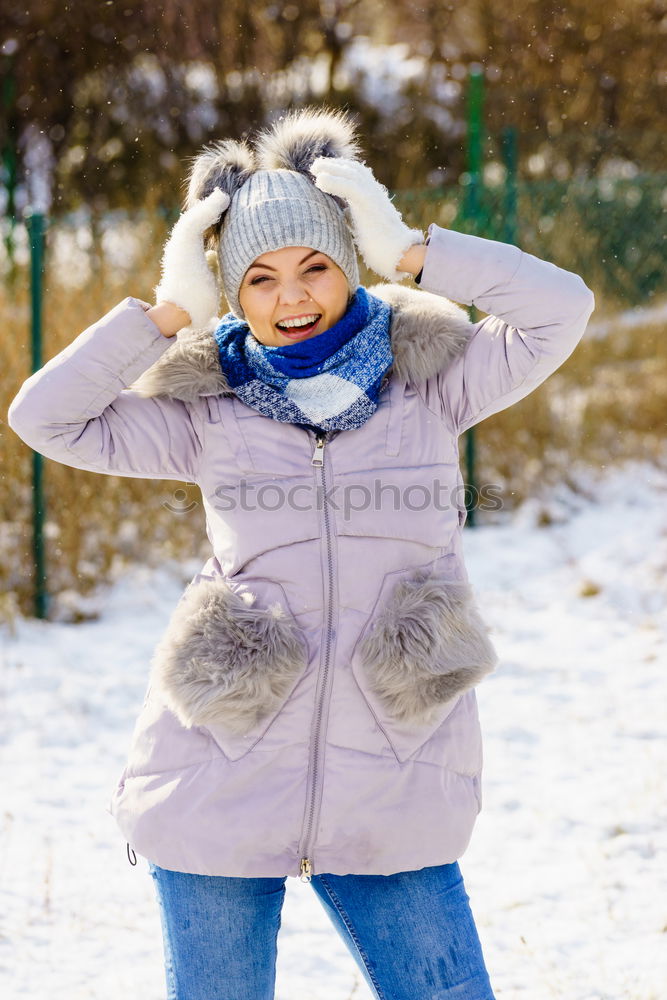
[[538, 313], [77, 409]]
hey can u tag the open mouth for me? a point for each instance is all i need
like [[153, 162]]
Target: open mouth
[[299, 327]]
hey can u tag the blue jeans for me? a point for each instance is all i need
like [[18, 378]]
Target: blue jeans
[[412, 934]]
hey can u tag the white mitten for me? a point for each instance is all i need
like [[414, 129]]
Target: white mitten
[[379, 231], [187, 280]]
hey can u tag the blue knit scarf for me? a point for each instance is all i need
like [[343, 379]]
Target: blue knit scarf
[[330, 381]]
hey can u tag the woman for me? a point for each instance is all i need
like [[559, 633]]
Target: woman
[[311, 709]]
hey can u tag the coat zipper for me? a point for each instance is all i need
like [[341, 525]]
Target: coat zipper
[[314, 763]]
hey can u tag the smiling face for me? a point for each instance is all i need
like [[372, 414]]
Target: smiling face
[[292, 294]]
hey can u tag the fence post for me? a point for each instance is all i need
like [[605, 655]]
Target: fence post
[[9, 158], [35, 223], [472, 209]]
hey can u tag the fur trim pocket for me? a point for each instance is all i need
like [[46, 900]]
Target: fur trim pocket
[[426, 646], [224, 662]]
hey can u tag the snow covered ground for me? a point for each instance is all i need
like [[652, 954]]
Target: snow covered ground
[[567, 870]]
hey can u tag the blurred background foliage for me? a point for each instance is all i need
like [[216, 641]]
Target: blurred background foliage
[[115, 96]]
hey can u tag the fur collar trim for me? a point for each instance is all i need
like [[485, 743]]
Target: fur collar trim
[[428, 332]]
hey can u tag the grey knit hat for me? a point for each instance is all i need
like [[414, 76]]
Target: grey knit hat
[[281, 208], [274, 200]]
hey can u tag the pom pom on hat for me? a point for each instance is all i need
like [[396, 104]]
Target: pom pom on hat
[[297, 140], [225, 164]]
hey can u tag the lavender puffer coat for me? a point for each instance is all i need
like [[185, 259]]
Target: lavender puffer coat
[[311, 705]]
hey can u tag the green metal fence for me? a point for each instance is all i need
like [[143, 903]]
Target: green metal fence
[[613, 232]]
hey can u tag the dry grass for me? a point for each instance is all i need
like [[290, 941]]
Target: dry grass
[[608, 403]]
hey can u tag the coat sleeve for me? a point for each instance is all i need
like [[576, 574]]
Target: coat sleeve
[[537, 315], [78, 410]]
